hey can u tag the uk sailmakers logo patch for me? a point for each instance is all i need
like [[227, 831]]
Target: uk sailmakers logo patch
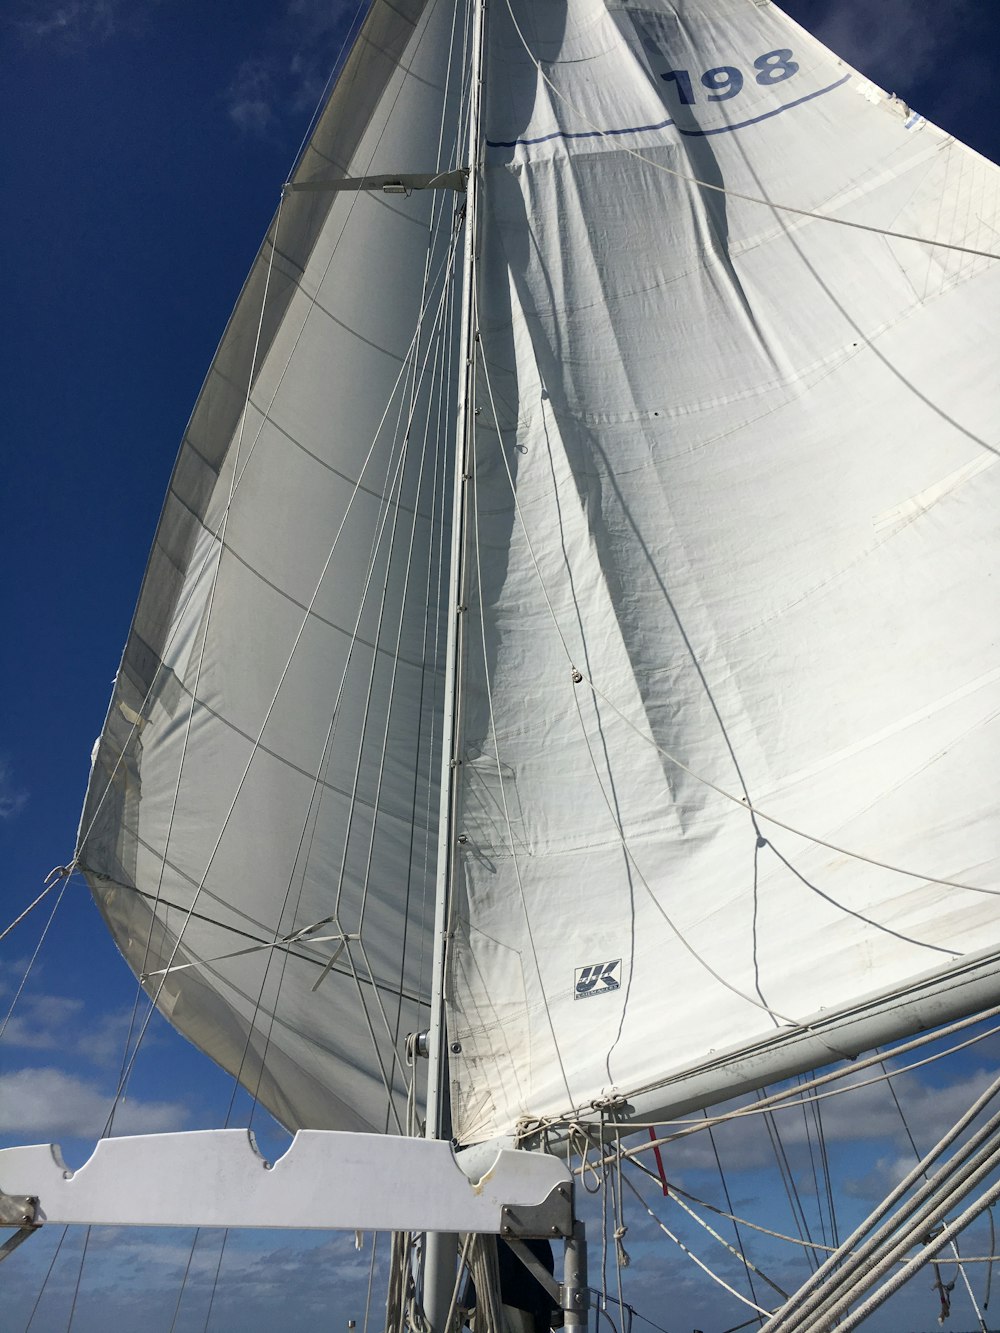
[[597, 979]]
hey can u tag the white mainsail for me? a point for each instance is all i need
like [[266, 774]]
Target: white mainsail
[[733, 485], [753, 458]]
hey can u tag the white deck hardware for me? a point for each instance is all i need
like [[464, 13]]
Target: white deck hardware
[[352, 1182]]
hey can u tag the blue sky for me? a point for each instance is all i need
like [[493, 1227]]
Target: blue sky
[[145, 144]]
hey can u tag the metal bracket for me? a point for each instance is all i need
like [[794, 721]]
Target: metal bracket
[[12, 1242], [552, 1217], [18, 1210], [574, 1293], [536, 1268], [21, 1211]]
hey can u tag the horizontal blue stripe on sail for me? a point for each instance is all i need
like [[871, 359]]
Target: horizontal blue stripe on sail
[[662, 125]]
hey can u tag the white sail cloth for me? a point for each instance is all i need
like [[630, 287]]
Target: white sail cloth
[[730, 545], [754, 455], [259, 829]]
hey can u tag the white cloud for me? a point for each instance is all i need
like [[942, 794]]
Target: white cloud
[[43, 1022], [288, 75], [36, 1104], [894, 35], [12, 798], [251, 96], [69, 20], [860, 1115]]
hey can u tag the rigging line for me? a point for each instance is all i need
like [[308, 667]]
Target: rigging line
[[618, 1213], [596, 1291], [295, 938], [691, 1255], [812, 1147], [902, 1275], [603, 1189], [424, 757], [522, 897], [400, 466], [613, 799], [430, 357], [215, 1280], [681, 938], [780, 1100], [735, 1218], [739, 1254], [51, 880], [323, 766], [434, 340], [390, 503], [34, 956], [736, 194], [79, 1279], [395, 1060], [817, 1115], [441, 206], [837, 1270], [371, 1282], [781, 1235], [726, 1196], [256, 745], [335, 71], [444, 268], [954, 1246], [445, 430], [429, 281], [463, 1261], [184, 1279], [772, 819], [412, 996], [789, 1104], [45, 1280], [851, 911], [630, 856], [311, 817], [788, 1181]]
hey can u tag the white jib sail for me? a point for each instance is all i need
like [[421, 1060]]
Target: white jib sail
[[737, 467], [260, 826]]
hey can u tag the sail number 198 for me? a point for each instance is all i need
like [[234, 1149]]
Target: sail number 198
[[725, 81]]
